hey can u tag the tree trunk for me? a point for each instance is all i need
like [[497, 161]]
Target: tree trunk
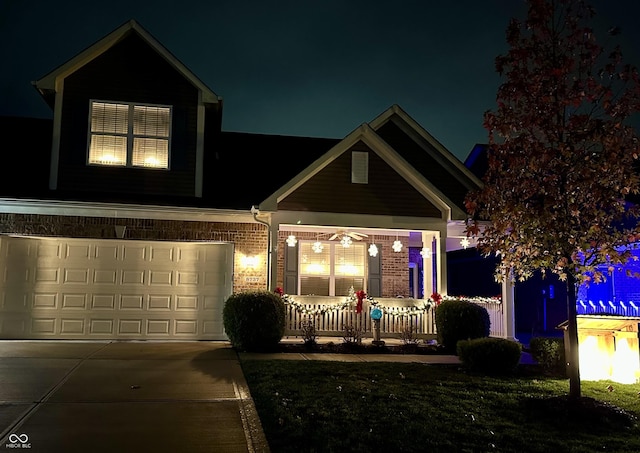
[[571, 349]]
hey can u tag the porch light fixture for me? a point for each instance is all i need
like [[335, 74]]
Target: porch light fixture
[[346, 241], [464, 242], [425, 252], [317, 247], [291, 240], [397, 246], [373, 250]]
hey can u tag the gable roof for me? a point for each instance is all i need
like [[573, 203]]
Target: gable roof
[[428, 160], [48, 84], [426, 155]]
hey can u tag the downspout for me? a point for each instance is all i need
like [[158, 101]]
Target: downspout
[[256, 212]]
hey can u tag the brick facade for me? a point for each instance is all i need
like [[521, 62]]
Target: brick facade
[[249, 239]]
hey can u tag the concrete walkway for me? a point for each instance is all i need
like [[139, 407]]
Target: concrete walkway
[[125, 397]]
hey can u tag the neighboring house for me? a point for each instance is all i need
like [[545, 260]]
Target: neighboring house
[[133, 215]]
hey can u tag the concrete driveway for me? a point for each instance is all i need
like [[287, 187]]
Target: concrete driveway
[[66, 397]]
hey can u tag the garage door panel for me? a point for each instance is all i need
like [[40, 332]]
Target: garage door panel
[[78, 251], [72, 326], [45, 301], [76, 276], [45, 275], [107, 253], [113, 289], [134, 253], [160, 278], [74, 301], [133, 277], [186, 303], [132, 302], [160, 254]]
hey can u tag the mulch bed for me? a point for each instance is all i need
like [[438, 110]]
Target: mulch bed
[[340, 347]]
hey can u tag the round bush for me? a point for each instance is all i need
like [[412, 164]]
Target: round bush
[[460, 320], [254, 321], [549, 353], [490, 355]]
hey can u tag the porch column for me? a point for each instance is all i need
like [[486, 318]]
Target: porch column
[[440, 246], [427, 265], [272, 255], [508, 309]]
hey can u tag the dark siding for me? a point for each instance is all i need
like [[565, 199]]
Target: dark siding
[[130, 71], [440, 176], [387, 193]]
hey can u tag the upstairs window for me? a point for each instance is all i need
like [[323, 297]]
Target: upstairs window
[[129, 135]]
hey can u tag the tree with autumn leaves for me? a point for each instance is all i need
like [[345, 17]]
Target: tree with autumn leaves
[[558, 195]]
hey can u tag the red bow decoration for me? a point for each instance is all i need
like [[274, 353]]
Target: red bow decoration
[[279, 291], [437, 298], [360, 295]]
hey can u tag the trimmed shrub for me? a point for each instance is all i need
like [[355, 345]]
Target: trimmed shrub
[[549, 353], [490, 355], [461, 320], [254, 321]]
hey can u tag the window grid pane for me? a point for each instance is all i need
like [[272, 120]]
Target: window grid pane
[[108, 150], [150, 152], [151, 121], [316, 286], [344, 284], [350, 260], [312, 263], [109, 118]]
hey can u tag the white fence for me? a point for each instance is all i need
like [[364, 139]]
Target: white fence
[[331, 317]]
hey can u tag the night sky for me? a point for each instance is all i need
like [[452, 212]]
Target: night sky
[[308, 68]]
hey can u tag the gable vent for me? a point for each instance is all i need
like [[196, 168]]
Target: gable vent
[[360, 167]]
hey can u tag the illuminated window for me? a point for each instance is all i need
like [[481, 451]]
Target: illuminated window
[[129, 135], [333, 270]]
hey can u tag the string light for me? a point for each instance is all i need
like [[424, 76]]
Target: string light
[[346, 241], [291, 240], [425, 252], [397, 246], [317, 247], [373, 250], [464, 242]]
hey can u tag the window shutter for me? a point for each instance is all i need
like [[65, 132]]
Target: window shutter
[[291, 269], [374, 279]]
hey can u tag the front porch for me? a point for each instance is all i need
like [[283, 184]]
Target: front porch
[[332, 315]]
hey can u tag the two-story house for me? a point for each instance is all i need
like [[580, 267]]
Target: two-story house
[[133, 215]]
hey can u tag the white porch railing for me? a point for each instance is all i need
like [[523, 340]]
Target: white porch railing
[[331, 320]]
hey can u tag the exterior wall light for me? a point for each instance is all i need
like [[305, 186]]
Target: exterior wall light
[[249, 261]]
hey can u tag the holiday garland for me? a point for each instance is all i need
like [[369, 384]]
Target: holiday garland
[[357, 297]]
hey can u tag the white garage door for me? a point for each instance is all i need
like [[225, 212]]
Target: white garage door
[[57, 288]]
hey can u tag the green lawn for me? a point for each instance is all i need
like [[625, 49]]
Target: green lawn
[[320, 406]]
